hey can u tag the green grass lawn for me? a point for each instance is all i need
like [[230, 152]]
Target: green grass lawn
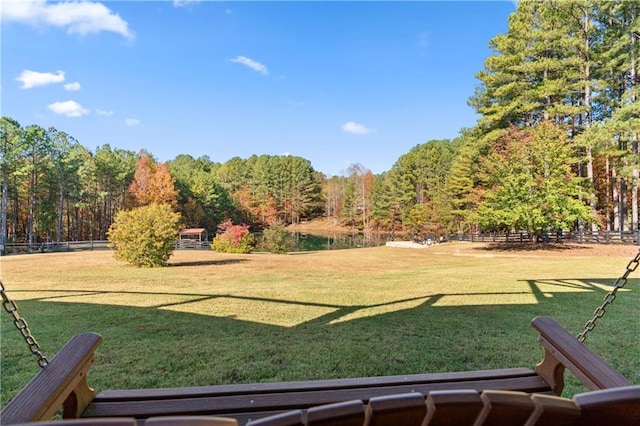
[[213, 318]]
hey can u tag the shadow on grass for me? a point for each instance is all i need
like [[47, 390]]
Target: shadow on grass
[[160, 346], [208, 262], [530, 247]]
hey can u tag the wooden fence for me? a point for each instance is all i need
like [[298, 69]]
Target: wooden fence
[[24, 248], [600, 237]]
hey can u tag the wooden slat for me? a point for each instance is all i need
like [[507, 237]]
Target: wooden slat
[[503, 408], [223, 405], [620, 406], [289, 418], [405, 409], [246, 418], [190, 421], [47, 391], [121, 421], [592, 370], [348, 413], [335, 384], [461, 407], [553, 411]]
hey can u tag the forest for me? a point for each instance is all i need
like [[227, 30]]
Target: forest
[[555, 148]]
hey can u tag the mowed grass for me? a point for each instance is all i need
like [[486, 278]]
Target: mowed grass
[[214, 318]]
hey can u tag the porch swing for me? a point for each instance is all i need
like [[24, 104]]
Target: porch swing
[[510, 396]]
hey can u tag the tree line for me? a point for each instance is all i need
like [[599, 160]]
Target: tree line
[[555, 147], [54, 189]]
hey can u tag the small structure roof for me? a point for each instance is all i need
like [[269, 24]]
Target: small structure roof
[[192, 231]]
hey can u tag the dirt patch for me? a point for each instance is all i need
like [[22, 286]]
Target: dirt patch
[[555, 249]]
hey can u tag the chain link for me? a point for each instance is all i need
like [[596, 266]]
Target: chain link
[[610, 297], [22, 326]]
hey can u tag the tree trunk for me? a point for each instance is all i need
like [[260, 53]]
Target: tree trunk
[[3, 208], [623, 204], [592, 195], [634, 188], [14, 213], [32, 205], [607, 196], [615, 196], [634, 142], [587, 115], [60, 213]]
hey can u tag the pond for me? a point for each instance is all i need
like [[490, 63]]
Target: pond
[[301, 241]]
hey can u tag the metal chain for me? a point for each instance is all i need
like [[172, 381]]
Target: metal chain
[[22, 326], [610, 297]]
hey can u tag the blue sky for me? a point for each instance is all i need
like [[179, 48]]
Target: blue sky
[[334, 82]]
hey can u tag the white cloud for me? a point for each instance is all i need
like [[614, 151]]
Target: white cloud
[[104, 113], [131, 121], [184, 3], [77, 17], [254, 65], [68, 108], [355, 128], [31, 79], [72, 87]]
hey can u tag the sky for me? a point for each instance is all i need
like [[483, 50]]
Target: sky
[[337, 83]]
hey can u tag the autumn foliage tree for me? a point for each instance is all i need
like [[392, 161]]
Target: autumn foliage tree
[[233, 238], [152, 183], [145, 232]]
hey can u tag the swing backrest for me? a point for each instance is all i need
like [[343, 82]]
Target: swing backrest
[[618, 406]]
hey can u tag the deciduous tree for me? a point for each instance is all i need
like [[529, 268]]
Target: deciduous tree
[[145, 235], [152, 183], [530, 185]]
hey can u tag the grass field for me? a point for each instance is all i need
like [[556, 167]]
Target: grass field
[[212, 318]]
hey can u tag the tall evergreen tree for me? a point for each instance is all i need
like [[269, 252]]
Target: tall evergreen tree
[[11, 148]]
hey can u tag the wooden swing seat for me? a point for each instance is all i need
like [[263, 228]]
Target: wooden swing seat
[[503, 396]]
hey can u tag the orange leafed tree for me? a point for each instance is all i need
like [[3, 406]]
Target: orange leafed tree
[[152, 183]]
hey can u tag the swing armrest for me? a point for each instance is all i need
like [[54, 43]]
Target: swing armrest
[[562, 350], [63, 382]]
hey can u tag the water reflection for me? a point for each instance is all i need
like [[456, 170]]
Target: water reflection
[[301, 241]]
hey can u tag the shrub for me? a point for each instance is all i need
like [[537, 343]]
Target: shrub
[[277, 239], [146, 235], [233, 238]]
